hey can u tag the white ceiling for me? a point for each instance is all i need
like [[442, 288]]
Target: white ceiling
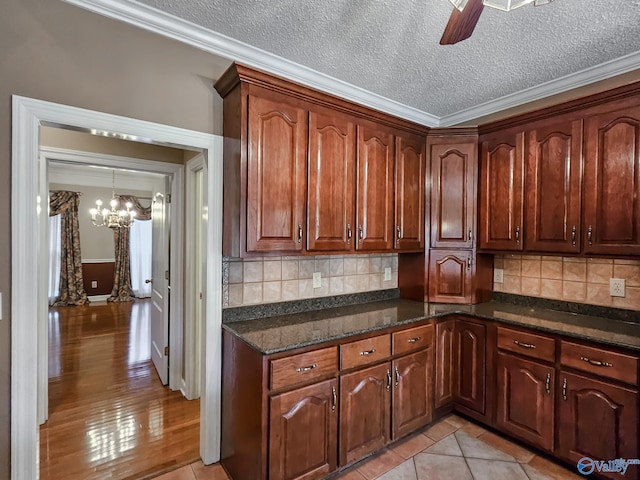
[[390, 48]]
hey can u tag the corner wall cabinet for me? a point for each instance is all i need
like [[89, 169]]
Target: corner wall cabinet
[[306, 172]]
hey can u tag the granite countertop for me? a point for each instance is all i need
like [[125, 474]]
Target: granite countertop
[[286, 332]]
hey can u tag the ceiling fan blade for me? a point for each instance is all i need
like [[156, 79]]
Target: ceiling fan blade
[[462, 23]]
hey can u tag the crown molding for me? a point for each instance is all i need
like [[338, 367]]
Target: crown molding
[[162, 23], [167, 25], [603, 71]]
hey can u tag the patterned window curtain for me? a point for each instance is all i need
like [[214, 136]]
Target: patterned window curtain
[[122, 291], [72, 291]]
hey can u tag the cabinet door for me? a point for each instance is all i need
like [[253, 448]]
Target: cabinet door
[[612, 183], [597, 420], [374, 189], [364, 412], [303, 432], [450, 274], [445, 358], [276, 176], [409, 193], [553, 179], [411, 393], [453, 195], [330, 204], [525, 399], [470, 345], [501, 176]]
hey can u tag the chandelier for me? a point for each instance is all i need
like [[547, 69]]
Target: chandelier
[[504, 5], [114, 218]]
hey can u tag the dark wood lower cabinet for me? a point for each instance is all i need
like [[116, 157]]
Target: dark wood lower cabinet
[[303, 432], [445, 354], [597, 420], [411, 393], [364, 412], [525, 399], [470, 344]]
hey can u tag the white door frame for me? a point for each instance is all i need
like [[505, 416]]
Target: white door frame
[[27, 212]]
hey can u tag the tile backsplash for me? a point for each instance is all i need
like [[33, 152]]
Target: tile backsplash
[[582, 280], [259, 280]]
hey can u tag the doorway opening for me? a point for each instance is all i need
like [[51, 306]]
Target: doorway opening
[[29, 267]]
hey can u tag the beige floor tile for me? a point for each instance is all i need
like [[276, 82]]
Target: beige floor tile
[[495, 470], [351, 474], [404, 471], [439, 430], [473, 430], [412, 445], [473, 448], [379, 464], [521, 454], [541, 468], [182, 473], [209, 472], [441, 467], [447, 446], [456, 421]]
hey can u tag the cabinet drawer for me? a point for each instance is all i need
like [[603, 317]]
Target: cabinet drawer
[[527, 343], [412, 339], [303, 367], [364, 352], [600, 362]]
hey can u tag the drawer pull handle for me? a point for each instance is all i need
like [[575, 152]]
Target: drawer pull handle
[[306, 369], [368, 352], [597, 363], [349, 233], [360, 233], [414, 339], [470, 234], [564, 389], [388, 379], [335, 399], [299, 233], [547, 384], [590, 235], [524, 345], [397, 377]]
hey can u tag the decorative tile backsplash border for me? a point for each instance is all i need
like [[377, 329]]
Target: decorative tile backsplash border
[[253, 281], [582, 280]]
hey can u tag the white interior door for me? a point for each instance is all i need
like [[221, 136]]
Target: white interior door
[[160, 283]]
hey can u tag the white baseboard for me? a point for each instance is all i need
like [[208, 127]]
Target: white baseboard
[[98, 298]]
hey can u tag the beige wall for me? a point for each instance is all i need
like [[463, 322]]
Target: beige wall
[[276, 279], [582, 280], [53, 51]]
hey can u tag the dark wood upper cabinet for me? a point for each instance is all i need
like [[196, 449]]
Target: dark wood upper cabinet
[[303, 432], [374, 187], [470, 344], [450, 273], [525, 397], [276, 176], [597, 420], [501, 192], [364, 412], [453, 192], [553, 188], [412, 394], [409, 192], [612, 183], [331, 184]]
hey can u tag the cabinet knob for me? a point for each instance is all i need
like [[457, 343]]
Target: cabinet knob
[[573, 235]]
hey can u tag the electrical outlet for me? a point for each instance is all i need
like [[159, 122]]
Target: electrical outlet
[[94, 284], [317, 279], [387, 274], [617, 287], [498, 275]]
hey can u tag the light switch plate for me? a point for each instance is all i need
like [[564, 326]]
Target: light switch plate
[[617, 287], [94, 284], [387, 274], [317, 279], [498, 275]]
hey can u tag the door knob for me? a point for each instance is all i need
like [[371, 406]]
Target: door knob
[[148, 280]]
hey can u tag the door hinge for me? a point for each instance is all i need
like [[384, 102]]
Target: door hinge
[[200, 295], [166, 351], [166, 275], [168, 198]]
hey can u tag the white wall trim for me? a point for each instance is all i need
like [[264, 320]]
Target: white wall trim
[[167, 25], [27, 116], [98, 260], [98, 298]]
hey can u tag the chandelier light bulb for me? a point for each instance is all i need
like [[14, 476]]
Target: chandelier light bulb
[[99, 203], [113, 202], [93, 211]]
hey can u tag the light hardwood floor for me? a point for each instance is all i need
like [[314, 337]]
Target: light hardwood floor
[[109, 415]]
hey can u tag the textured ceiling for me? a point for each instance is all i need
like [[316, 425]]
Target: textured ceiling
[[390, 47]]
